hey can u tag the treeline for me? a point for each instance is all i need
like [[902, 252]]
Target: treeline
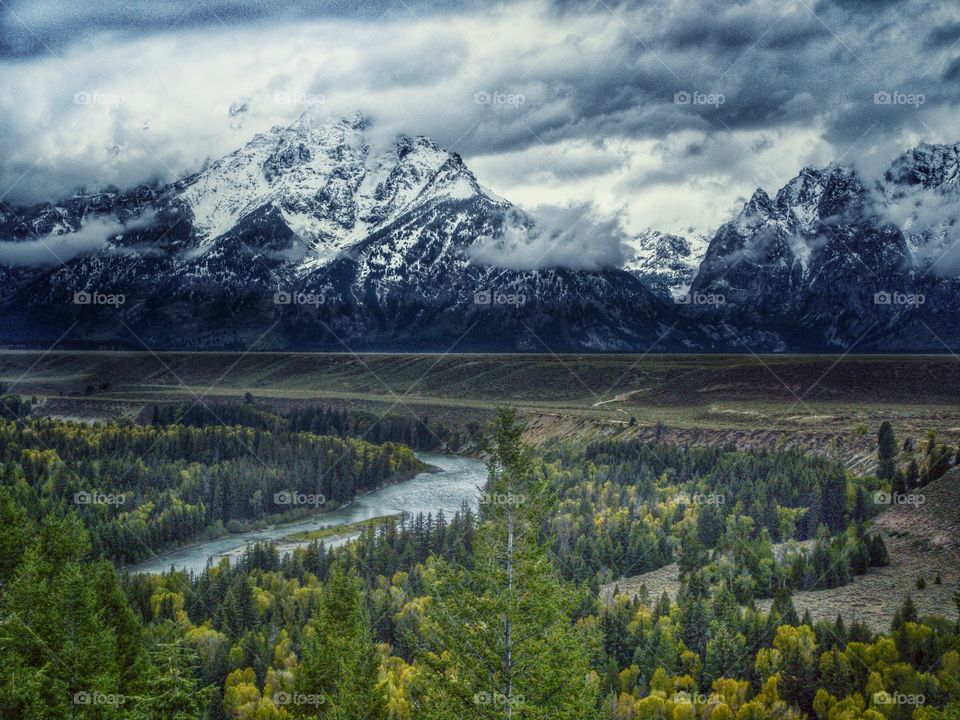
[[420, 433], [140, 489], [390, 557], [752, 567]]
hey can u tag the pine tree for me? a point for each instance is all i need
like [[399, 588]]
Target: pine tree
[[168, 689], [833, 500], [709, 524], [861, 509], [913, 475], [505, 642], [340, 661], [904, 614], [899, 484], [56, 639], [886, 451], [725, 655], [878, 551], [783, 608]]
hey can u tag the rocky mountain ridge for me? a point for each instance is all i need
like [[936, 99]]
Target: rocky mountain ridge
[[310, 238]]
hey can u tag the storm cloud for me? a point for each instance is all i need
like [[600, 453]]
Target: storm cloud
[[661, 113]]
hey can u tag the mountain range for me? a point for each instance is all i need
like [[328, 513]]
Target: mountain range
[[312, 238]]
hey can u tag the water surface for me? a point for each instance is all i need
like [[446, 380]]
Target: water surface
[[428, 492]]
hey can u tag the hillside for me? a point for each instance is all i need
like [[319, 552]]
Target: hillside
[[923, 541]]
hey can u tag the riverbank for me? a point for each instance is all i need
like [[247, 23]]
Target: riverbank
[[279, 521], [447, 483]]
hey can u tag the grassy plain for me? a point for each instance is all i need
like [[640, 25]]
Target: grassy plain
[[829, 404]]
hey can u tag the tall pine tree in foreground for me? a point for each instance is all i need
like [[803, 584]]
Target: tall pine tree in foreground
[[340, 660], [502, 641]]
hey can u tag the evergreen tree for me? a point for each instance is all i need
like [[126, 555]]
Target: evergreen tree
[[886, 451], [709, 524], [833, 500], [505, 642], [783, 608], [899, 484], [58, 645], [913, 475], [904, 614], [340, 661], [169, 688], [861, 508], [725, 655], [878, 551]]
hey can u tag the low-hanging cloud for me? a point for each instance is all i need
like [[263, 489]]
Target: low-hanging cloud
[[575, 237], [936, 216], [54, 249]]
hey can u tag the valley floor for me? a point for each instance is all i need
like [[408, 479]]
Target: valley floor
[[829, 404]]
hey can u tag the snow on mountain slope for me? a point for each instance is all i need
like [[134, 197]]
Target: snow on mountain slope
[[331, 190], [666, 263], [921, 193], [383, 239], [380, 239]]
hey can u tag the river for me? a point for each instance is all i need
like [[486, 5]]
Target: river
[[428, 492]]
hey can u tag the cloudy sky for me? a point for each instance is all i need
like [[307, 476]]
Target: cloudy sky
[[667, 113]]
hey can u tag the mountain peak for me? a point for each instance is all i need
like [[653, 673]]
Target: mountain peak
[[843, 193], [326, 179], [665, 263], [929, 166]]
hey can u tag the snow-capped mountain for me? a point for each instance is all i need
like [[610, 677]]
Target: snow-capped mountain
[[665, 263], [825, 264], [921, 194], [309, 237], [313, 237], [325, 184]]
